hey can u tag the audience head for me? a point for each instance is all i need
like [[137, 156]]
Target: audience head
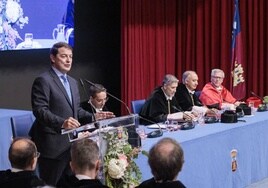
[[23, 154], [61, 57], [169, 85], [85, 157], [190, 80], [166, 160], [217, 76], [98, 95]]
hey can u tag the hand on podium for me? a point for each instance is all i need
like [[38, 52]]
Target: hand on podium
[[104, 115]]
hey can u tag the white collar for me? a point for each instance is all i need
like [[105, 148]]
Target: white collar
[[96, 109], [16, 170], [82, 177], [167, 97]]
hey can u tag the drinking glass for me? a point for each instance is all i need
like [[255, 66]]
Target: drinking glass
[[28, 40]]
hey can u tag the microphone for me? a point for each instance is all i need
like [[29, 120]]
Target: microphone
[[83, 86], [252, 93], [175, 108], [187, 125], [156, 133], [114, 97]]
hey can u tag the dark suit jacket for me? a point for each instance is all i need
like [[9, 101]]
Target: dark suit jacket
[[184, 99], [152, 184], [72, 181], [23, 179], [51, 106]]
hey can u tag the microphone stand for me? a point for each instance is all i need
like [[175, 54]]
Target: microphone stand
[[92, 109], [187, 125], [155, 133], [252, 93]]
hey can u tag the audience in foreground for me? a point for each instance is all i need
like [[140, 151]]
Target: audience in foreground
[[166, 159], [215, 95], [85, 164], [23, 158]]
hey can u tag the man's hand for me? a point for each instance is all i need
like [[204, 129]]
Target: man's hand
[[70, 123], [104, 115]]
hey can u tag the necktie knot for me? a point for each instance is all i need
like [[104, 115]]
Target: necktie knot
[[64, 78]]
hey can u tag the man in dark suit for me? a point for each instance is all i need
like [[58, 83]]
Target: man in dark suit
[[185, 94], [56, 106], [23, 158], [85, 164]]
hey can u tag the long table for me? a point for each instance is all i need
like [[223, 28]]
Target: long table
[[207, 151], [6, 134]]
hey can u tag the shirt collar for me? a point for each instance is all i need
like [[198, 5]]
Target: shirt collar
[[97, 109], [16, 170], [167, 97], [82, 177], [59, 74]]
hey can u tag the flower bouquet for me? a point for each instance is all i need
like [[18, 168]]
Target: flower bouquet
[[120, 170], [11, 15]]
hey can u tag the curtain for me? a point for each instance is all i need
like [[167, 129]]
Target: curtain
[[172, 36]]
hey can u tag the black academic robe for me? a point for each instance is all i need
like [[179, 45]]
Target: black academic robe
[[156, 107], [184, 99]]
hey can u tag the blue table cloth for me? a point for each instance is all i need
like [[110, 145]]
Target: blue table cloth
[[207, 152]]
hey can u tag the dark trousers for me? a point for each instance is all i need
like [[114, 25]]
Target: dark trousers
[[51, 170]]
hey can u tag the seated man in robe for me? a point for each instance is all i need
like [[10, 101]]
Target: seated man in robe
[[185, 94], [162, 105], [215, 95]]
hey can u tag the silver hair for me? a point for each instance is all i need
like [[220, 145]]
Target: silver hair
[[214, 71], [186, 74], [169, 79]]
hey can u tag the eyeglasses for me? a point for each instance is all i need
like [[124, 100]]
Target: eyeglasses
[[102, 100], [217, 77], [37, 154]]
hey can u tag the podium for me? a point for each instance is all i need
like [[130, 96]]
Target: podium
[[101, 126]]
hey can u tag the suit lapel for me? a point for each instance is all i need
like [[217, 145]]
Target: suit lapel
[[61, 87]]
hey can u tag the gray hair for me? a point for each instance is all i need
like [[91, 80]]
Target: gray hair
[[169, 79], [186, 74], [214, 71]]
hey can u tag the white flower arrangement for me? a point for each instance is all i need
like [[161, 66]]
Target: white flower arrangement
[[11, 14], [120, 170]]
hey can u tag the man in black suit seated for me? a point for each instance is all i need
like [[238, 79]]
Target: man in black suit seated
[[85, 164], [23, 158], [97, 100], [166, 159], [185, 94]]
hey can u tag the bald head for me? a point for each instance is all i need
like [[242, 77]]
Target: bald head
[[21, 153], [166, 159], [190, 80]]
